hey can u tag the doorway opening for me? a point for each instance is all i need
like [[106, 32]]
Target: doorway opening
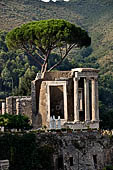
[[57, 101]]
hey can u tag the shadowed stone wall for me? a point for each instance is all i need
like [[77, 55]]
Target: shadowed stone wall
[[26, 107], [70, 100], [19, 105], [79, 150]]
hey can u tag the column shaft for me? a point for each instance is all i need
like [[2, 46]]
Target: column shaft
[[94, 110], [76, 111], [65, 101], [3, 108], [17, 106], [97, 100], [86, 95]]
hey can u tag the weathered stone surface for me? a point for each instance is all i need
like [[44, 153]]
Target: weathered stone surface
[[35, 95], [3, 108], [66, 94], [57, 75], [4, 164], [26, 107], [43, 105], [19, 105], [79, 150], [61, 93]]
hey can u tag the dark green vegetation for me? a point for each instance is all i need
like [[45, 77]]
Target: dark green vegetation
[[108, 168], [40, 39], [94, 16], [25, 153], [14, 122], [17, 70]]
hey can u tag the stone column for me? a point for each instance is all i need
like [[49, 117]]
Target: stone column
[[3, 108], [33, 96], [17, 106], [86, 96], [94, 102], [65, 101], [76, 100], [48, 103], [97, 99], [9, 105]]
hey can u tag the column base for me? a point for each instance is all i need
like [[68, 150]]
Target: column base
[[76, 121], [87, 120], [95, 121]]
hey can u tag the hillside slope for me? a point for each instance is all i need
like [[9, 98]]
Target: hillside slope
[[94, 15]]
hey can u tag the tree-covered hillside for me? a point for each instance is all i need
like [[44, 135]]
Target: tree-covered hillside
[[95, 16], [18, 69]]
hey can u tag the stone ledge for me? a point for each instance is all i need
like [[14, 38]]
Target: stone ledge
[[82, 125]]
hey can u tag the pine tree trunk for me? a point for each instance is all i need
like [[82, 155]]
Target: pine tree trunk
[[44, 69]]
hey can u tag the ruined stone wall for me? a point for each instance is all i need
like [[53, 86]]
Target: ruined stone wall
[[35, 95], [9, 107], [42, 113], [19, 105], [77, 98], [79, 150], [40, 101], [39, 96], [11, 104], [64, 151], [26, 107], [57, 75]]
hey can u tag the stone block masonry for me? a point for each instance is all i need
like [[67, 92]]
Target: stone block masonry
[[4, 164], [19, 105], [79, 150], [72, 95]]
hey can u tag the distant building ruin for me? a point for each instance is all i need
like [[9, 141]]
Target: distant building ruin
[[70, 95], [18, 105], [61, 99]]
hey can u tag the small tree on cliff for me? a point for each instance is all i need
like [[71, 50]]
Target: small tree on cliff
[[40, 38]]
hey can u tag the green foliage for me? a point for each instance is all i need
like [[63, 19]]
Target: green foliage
[[106, 104], [108, 168], [44, 36], [65, 65], [14, 122], [25, 82], [24, 153], [106, 118], [94, 16], [13, 66], [17, 70]]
